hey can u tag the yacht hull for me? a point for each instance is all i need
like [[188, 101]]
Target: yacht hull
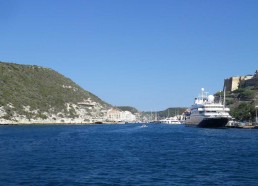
[[213, 123], [210, 123]]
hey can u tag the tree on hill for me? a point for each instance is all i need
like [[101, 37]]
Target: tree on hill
[[243, 112]]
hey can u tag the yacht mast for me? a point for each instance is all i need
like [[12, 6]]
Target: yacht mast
[[224, 100], [202, 93]]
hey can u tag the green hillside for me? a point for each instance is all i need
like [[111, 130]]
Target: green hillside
[[170, 112], [242, 103], [128, 108], [39, 88]]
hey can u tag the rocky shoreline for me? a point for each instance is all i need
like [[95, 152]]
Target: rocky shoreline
[[44, 122]]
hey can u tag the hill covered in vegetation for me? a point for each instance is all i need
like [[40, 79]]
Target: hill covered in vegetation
[[33, 93], [128, 108], [242, 103], [158, 115]]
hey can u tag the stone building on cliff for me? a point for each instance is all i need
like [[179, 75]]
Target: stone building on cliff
[[235, 82]]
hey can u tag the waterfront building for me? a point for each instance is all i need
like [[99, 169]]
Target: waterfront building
[[115, 115]]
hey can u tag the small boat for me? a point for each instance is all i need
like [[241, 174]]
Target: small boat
[[143, 126]]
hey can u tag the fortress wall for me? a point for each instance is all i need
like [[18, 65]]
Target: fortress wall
[[232, 83]]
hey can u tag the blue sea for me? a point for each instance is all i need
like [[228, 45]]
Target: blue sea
[[127, 155]]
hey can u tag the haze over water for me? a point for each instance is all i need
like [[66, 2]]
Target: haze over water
[[127, 155]]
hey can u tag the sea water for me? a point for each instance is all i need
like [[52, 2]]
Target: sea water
[[127, 155]]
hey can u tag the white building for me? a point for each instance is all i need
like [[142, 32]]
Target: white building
[[128, 116], [117, 115]]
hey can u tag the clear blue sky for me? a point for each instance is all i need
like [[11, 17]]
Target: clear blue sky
[[150, 54]]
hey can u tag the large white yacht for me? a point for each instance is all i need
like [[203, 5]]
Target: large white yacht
[[205, 112]]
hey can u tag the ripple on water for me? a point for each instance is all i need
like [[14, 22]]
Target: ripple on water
[[127, 155]]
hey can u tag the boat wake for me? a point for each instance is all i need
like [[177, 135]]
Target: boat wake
[[143, 126]]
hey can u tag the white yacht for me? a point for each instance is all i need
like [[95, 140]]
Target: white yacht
[[171, 120], [205, 112]]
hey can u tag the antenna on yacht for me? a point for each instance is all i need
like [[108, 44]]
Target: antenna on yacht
[[206, 94], [220, 97], [202, 94], [224, 100]]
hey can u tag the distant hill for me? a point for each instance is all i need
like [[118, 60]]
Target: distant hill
[[128, 108], [33, 93], [170, 112]]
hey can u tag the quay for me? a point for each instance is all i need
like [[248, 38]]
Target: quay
[[244, 127]]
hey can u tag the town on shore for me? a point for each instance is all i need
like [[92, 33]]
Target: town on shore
[[60, 101]]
